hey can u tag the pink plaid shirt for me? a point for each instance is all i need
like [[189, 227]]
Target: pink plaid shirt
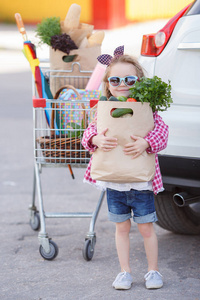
[[157, 139]]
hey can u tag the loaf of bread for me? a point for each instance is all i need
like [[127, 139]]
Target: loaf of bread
[[87, 27], [72, 18], [80, 33], [96, 38]]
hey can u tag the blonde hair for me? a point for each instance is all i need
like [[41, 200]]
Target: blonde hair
[[121, 59]]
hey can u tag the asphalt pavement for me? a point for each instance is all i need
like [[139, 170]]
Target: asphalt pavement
[[24, 274]]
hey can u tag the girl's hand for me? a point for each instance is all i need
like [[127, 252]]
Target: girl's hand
[[137, 147], [104, 143]]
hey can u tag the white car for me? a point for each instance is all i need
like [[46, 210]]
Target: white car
[[173, 53]]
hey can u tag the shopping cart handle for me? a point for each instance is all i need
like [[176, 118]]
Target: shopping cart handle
[[39, 102], [93, 102]]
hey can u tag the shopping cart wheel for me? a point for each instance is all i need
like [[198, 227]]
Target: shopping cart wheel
[[35, 221], [88, 250], [53, 251]]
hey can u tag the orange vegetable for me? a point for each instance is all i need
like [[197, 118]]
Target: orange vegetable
[[131, 100]]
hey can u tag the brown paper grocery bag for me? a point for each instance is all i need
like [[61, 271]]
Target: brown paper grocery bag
[[76, 72], [115, 166]]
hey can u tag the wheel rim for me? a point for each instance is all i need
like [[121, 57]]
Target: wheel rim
[[88, 251], [35, 224], [53, 251]]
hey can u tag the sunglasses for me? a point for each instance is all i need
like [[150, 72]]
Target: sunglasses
[[128, 80]]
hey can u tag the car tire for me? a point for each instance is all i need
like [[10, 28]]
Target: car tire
[[181, 220]]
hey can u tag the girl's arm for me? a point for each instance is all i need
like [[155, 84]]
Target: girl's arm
[[153, 142], [158, 137], [88, 134], [92, 140]]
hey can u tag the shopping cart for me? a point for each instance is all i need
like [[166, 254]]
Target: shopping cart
[[57, 143]]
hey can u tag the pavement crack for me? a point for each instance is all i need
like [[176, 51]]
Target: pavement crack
[[21, 238], [17, 250]]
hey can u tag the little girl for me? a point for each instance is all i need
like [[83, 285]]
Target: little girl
[[137, 197]]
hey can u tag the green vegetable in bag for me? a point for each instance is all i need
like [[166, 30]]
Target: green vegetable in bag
[[119, 112], [122, 98], [103, 98], [112, 98], [152, 90]]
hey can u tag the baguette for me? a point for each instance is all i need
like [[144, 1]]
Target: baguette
[[72, 18], [96, 38]]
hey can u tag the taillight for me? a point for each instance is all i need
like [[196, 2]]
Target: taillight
[[153, 44]]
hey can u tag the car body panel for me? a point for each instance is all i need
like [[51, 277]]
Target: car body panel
[[180, 64]]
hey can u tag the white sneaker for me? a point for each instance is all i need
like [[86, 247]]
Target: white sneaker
[[153, 280], [123, 281]]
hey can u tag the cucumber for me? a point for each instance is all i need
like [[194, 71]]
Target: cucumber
[[122, 98], [118, 112], [103, 98], [112, 98]]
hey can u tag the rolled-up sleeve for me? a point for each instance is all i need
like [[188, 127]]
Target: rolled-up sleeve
[[87, 135], [158, 137]]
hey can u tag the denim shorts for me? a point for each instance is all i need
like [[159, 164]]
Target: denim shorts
[[121, 206]]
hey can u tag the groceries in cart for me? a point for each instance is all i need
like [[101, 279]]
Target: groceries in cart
[[74, 47], [71, 114], [66, 120], [68, 114]]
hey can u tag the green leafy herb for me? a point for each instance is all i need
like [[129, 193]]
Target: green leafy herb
[[152, 90], [47, 28]]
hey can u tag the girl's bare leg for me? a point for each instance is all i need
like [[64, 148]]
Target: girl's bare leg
[[150, 245], [123, 244]]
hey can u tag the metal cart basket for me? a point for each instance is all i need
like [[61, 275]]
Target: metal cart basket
[[58, 128]]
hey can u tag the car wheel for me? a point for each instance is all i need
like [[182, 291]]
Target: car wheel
[[182, 220]]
